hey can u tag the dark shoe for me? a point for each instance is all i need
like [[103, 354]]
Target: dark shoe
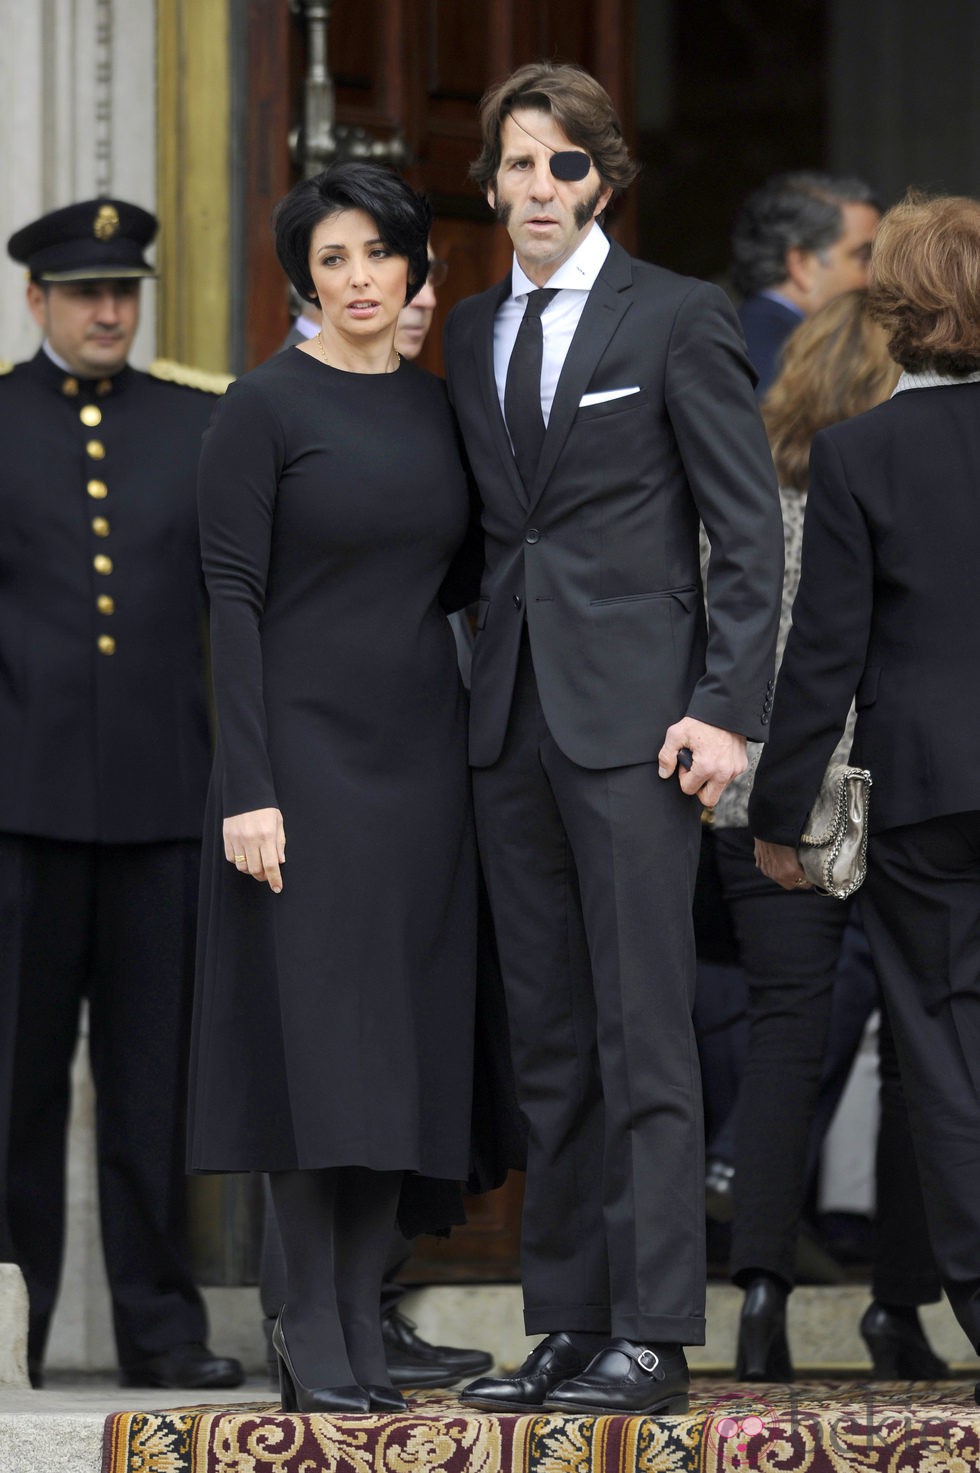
[[641, 1380], [763, 1350], [386, 1399], [412, 1361], [549, 1363], [296, 1397], [719, 1189], [185, 1368], [899, 1348]]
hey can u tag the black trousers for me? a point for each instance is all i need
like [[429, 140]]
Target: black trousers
[[591, 876], [113, 924], [921, 907], [790, 944]]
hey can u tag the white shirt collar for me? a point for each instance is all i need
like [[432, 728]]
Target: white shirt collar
[[56, 358], [578, 272], [928, 378]]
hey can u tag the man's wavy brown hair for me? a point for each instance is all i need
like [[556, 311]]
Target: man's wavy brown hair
[[925, 282], [579, 105], [835, 365]]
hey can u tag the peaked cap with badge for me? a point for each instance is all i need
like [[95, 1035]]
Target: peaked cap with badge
[[96, 240]]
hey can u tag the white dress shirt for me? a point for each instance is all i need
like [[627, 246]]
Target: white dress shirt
[[574, 280]]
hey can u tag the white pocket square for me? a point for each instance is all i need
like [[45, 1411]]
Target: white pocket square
[[605, 394]]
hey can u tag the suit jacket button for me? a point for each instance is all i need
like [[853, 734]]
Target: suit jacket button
[[517, 600], [765, 718], [532, 535]]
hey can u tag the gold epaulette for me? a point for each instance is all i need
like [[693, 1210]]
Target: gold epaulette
[[190, 378], [5, 367]]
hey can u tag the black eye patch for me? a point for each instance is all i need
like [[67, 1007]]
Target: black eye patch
[[570, 164]]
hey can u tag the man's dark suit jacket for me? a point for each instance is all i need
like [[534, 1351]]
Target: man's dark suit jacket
[[766, 324], [886, 608], [601, 554]]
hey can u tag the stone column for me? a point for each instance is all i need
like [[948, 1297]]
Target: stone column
[[78, 82]]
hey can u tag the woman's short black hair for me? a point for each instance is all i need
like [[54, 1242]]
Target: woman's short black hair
[[402, 217]]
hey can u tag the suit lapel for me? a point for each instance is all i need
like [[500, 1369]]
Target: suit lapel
[[483, 353], [609, 300]]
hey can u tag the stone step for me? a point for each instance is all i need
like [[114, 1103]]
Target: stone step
[[823, 1328], [822, 1324]]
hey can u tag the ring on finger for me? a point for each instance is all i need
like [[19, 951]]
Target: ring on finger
[[239, 859], [798, 883]]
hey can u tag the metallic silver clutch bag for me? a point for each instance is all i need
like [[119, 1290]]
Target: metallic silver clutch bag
[[833, 849]]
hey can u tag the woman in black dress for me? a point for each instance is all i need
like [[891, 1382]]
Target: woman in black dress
[[334, 1016]]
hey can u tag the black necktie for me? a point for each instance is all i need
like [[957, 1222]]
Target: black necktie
[[522, 391]]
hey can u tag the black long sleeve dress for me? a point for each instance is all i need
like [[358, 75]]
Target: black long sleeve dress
[[334, 1022]]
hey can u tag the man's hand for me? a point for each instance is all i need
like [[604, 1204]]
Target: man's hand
[[780, 863], [717, 757], [255, 843]]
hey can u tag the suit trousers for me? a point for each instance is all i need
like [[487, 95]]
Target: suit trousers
[[791, 947], [113, 924], [591, 877], [921, 908]]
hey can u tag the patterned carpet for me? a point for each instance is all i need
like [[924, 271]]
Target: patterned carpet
[[812, 1427]]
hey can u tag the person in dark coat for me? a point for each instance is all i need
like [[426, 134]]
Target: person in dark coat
[[333, 1033], [606, 407], [410, 1359], [104, 754], [885, 616], [799, 240]]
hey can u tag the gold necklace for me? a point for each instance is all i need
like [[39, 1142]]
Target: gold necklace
[[323, 354]]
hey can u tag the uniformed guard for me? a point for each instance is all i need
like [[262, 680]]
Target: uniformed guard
[[104, 759]]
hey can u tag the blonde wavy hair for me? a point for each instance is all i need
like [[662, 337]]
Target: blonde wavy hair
[[835, 365]]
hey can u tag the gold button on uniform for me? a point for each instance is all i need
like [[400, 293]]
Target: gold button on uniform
[[69, 386], [107, 605], [101, 563], [107, 645], [103, 387], [100, 526], [90, 415], [98, 490], [95, 450]]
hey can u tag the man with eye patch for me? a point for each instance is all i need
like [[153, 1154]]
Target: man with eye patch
[[607, 408]]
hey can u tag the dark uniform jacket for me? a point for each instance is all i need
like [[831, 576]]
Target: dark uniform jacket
[[103, 714]]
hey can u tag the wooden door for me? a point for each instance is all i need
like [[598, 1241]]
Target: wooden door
[[419, 68]]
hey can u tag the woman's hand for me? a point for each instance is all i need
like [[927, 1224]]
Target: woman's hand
[[779, 863], [255, 843]]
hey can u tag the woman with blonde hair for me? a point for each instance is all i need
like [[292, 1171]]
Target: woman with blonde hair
[[835, 366], [886, 616]]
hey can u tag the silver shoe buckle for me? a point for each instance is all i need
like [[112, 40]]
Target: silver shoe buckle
[[648, 1361]]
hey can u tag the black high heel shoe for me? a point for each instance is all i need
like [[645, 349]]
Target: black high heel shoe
[[386, 1399], [296, 1397], [899, 1348], [763, 1349]]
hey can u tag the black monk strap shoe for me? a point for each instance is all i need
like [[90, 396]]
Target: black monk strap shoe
[[412, 1361], [624, 1377], [185, 1368], [548, 1364]]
